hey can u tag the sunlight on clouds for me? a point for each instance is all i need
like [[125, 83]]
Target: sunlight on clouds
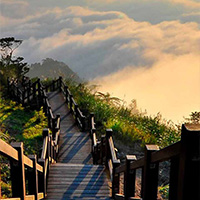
[[187, 3], [159, 63], [171, 86]]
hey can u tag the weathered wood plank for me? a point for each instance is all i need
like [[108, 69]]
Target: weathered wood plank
[[67, 180], [8, 150], [28, 161]]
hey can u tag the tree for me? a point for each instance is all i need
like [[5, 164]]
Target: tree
[[194, 118], [11, 66]]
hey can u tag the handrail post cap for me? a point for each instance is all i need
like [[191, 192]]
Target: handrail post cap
[[41, 160], [109, 132], [93, 130], [45, 132], [188, 127], [33, 156], [91, 114], [17, 144], [131, 157], [152, 147]]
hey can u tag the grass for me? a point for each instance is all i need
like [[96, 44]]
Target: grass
[[19, 125], [164, 191], [129, 125]]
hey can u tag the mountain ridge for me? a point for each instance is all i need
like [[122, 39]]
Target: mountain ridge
[[50, 68]]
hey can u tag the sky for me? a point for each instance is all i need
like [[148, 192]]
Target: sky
[[148, 50]]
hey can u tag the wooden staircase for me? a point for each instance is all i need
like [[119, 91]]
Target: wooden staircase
[[74, 176], [66, 161], [77, 181]]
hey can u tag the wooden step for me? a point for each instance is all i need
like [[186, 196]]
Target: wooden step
[[74, 145], [77, 181]]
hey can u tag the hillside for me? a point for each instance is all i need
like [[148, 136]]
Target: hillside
[[52, 69]]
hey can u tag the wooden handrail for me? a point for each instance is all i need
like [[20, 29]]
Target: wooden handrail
[[50, 147], [8, 151], [44, 148], [137, 164], [28, 162], [120, 169], [176, 153], [112, 150], [78, 115], [39, 167], [166, 153]]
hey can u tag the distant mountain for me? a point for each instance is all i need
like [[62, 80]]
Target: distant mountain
[[50, 68]]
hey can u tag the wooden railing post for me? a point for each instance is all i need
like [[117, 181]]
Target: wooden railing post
[[189, 168], [83, 118], [18, 173], [45, 104], [90, 123], [115, 177], [150, 175], [46, 134], [66, 94], [33, 178], [53, 127], [49, 116], [108, 135], [60, 83], [53, 85], [94, 148], [115, 180], [76, 112], [129, 178], [174, 168], [42, 179], [102, 151], [98, 152], [70, 102]]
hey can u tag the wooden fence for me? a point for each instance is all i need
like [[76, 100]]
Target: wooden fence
[[28, 93], [184, 157], [37, 168]]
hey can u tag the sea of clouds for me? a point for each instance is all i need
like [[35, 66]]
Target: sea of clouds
[[144, 50]]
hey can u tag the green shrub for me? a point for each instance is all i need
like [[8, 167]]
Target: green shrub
[[128, 123], [19, 124]]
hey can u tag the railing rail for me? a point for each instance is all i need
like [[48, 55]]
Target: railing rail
[[37, 181], [184, 157], [73, 106], [18, 161]]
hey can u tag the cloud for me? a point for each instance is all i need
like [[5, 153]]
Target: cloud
[[187, 3], [14, 9], [171, 86], [97, 44], [193, 16]]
